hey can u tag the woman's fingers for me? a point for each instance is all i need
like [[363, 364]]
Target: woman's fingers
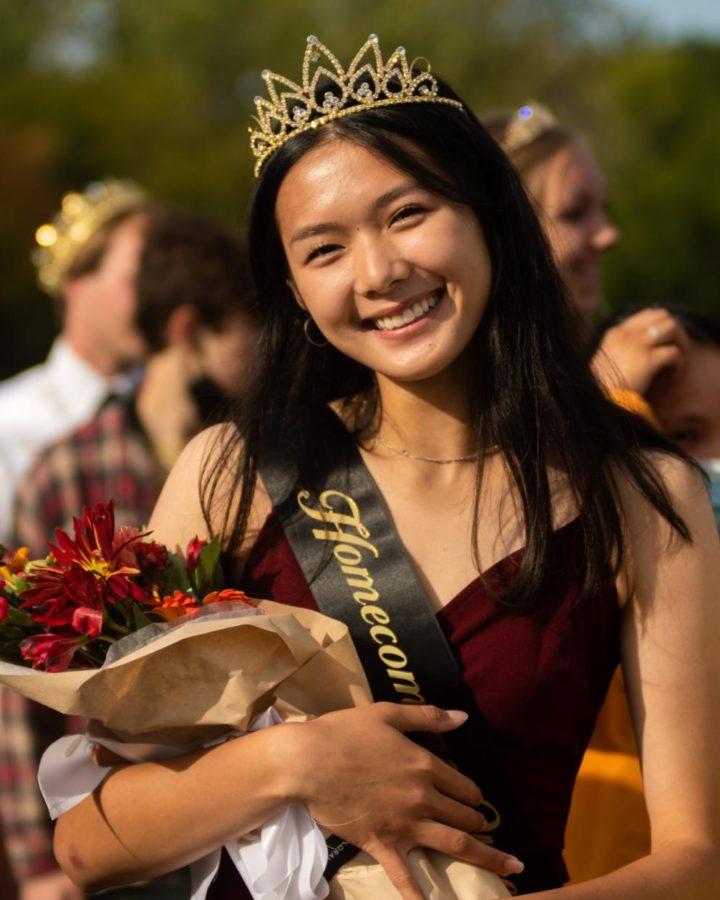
[[645, 320], [463, 793], [667, 356], [420, 718], [657, 327], [396, 869], [454, 784], [458, 815], [668, 331], [636, 350], [461, 845]]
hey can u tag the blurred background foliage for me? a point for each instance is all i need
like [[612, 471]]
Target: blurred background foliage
[[161, 91]]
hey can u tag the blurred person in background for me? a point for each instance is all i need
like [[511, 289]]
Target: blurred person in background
[[608, 825], [686, 400], [566, 186], [87, 260], [567, 189], [195, 312]]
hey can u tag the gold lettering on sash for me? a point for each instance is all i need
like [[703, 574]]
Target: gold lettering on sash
[[343, 551], [351, 537], [369, 595], [412, 687], [393, 657], [372, 614], [378, 632]]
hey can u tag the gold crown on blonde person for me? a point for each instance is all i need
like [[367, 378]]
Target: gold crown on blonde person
[[80, 216], [529, 122], [330, 92]]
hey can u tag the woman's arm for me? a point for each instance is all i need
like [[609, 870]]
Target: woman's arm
[[354, 769], [151, 818], [671, 663]]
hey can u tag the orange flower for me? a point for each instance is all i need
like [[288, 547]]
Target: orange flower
[[14, 563], [180, 604], [229, 596]]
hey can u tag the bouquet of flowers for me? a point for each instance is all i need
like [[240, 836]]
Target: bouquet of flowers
[[67, 610], [150, 644]]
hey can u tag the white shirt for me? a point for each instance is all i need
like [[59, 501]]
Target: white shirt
[[41, 405]]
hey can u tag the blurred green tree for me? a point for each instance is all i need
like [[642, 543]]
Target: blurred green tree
[[161, 92], [663, 159]]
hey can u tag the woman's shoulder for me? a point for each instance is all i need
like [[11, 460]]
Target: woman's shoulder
[[657, 537], [679, 479], [202, 490]]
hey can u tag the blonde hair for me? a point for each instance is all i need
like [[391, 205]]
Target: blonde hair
[[528, 135]]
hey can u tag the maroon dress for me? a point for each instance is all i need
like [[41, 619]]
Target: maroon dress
[[539, 679]]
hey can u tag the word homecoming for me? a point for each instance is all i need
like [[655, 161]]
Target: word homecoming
[[350, 545]]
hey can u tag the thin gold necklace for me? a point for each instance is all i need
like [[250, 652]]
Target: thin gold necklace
[[418, 456]]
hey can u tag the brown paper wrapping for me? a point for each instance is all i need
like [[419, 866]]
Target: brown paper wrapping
[[213, 673], [438, 876], [209, 675]]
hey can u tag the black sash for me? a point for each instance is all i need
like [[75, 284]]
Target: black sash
[[360, 573]]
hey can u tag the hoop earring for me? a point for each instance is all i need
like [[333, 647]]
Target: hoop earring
[[308, 336]]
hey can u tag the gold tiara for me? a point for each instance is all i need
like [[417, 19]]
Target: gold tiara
[[529, 122], [329, 92], [80, 216]]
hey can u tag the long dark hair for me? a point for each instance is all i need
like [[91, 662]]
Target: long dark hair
[[535, 399]]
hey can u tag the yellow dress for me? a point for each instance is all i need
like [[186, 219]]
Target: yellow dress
[[608, 825]]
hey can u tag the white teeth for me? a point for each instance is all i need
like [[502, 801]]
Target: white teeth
[[414, 312]]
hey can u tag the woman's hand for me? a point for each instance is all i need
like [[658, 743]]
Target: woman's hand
[[164, 404], [379, 790], [633, 352]]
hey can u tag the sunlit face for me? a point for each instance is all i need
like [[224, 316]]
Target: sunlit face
[[687, 402], [394, 276], [106, 299], [569, 190]]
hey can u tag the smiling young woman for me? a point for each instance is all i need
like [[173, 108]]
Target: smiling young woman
[[551, 531]]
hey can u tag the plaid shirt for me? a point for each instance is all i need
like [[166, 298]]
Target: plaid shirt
[[108, 457], [27, 728]]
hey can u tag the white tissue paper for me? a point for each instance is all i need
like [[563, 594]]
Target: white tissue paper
[[284, 860]]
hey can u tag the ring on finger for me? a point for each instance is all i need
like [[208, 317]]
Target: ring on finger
[[655, 334]]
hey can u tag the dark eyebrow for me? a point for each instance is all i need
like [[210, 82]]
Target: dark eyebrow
[[313, 230], [394, 194], [382, 200]]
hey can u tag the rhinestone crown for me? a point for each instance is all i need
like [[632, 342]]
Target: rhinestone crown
[[80, 216], [528, 123], [330, 92]]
